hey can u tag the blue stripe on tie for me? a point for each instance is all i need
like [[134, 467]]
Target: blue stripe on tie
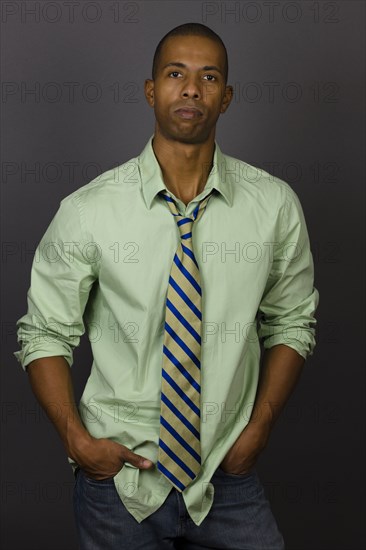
[[181, 416], [179, 438], [169, 199], [189, 253], [176, 458], [187, 274], [182, 344], [180, 392], [183, 221], [180, 367], [184, 322], [184, 297], [170, 476], [195, 211], [186, 235], [166, 197]]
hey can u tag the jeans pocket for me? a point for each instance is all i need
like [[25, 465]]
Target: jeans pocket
[[91, 480], [238, 476]]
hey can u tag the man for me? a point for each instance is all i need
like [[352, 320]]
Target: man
[[177, 267]]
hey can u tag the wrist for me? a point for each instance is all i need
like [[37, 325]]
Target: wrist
[[256, 435], [76, 439], [260, 424]]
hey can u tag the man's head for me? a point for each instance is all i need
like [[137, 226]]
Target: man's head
[[190, 29], [188, 90]]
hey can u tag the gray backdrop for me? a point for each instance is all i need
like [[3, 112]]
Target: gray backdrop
[[73, 106]]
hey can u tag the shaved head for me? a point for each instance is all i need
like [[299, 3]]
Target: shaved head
[[189, 29]]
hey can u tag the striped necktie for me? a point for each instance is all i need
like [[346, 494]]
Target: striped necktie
[[179, 453]]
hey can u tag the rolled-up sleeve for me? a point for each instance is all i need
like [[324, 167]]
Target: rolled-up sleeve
[[289, 302], [64, 268]]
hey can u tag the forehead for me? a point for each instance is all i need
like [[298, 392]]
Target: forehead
[[192, 50]]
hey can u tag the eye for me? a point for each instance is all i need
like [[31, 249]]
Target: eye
[[174, 74], [210, 77]]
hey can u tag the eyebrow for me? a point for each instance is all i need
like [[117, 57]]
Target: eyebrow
[[183, 66]]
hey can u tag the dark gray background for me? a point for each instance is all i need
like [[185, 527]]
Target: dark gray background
[[298, 73]]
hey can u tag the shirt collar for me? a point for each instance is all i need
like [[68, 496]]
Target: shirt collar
[[152, 180]]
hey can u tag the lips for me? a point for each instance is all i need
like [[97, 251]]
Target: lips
[[188, 112]]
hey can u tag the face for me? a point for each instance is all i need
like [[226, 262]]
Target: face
[[189, 92]]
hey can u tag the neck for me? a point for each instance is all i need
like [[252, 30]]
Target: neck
[[185, 167]]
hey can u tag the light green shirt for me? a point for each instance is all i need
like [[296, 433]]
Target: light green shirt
[[108, 251]]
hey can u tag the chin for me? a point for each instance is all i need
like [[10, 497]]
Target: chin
[[190, 138]]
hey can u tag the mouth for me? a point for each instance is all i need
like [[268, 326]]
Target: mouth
[[188, 113]]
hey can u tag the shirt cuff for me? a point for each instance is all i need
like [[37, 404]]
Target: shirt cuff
[[26, 355], [304, 347]]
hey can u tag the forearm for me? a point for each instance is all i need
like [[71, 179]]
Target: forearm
[[52, 385], [281, 370]]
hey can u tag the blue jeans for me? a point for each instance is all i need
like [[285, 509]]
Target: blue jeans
[[240, 518]]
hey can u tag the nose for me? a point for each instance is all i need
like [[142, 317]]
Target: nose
[[192, 88]]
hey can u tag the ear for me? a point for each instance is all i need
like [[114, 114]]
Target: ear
[[149, 91], [226, 100]]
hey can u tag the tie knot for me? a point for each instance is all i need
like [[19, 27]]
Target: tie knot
[[185, 223]]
